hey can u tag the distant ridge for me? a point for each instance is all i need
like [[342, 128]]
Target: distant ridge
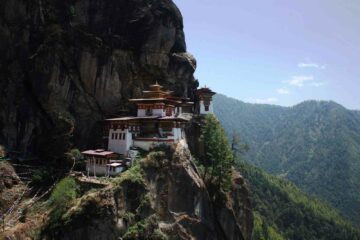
[[282, 211], [315, 144]]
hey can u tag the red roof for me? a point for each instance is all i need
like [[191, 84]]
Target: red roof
[[99, 152], [147, 118], [132, 118], [154, 100], [205, 90]]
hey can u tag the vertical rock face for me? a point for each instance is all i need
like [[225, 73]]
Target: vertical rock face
[[84, 58]]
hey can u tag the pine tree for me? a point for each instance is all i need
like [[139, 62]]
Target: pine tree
[[237, 147], [218, 158]]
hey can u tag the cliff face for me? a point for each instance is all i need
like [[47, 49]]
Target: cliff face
[[65, 65], [72, 62], [161, 198]]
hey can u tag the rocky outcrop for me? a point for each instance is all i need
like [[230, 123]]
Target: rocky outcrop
[[237, 215], [10, 186], [83, 58], [161, 198]]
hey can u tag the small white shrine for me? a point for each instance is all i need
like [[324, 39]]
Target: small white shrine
[[99, 162], [205, 104]]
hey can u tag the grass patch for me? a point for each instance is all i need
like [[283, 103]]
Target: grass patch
[[133, 175], [154, 159], [65, 192], [159, 157], [145, 229]]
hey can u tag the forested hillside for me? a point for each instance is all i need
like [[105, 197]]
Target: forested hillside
[[314, 144], [282, 211]]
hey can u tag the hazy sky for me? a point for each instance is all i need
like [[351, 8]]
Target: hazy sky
[[276, 51]]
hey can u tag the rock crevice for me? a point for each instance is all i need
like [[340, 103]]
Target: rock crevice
[[86, 58]]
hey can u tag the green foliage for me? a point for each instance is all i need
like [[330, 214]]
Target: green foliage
[[168, 150], [75, 159], [72, 12], [218, 158], [23, 214], [134, 175], [42, 177], [237, 147], [154, 159], [145, 229], [64, 192], [129, 217], [159, 157], [262, 231], [145, 202], [315, 144], [60, 200], [132, 185], [159, 235], [282, 211], [75, 154]]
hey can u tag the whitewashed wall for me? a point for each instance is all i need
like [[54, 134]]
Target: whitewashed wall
[[121, 145], [141, 113], [158, 112], [202, 108]]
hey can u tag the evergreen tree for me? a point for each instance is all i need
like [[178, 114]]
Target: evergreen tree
[[218, 158], [237, 147]]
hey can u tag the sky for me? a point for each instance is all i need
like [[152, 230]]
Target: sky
[[276, 51]]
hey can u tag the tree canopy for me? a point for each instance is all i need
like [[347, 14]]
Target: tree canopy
[[315, 144], [218, 158]]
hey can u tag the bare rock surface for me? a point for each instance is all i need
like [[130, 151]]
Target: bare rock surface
[[85, 58]]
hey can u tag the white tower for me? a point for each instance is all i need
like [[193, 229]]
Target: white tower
[[205, 104]]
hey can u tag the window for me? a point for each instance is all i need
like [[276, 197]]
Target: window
[[112, 135], [124, 134], [116, 136], [206, 108], [148, 112], [168, 111]]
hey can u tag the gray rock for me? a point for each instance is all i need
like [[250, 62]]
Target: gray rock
[[86, 58]]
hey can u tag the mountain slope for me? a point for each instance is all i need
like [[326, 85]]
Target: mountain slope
[[314, 144], [282, 211]]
